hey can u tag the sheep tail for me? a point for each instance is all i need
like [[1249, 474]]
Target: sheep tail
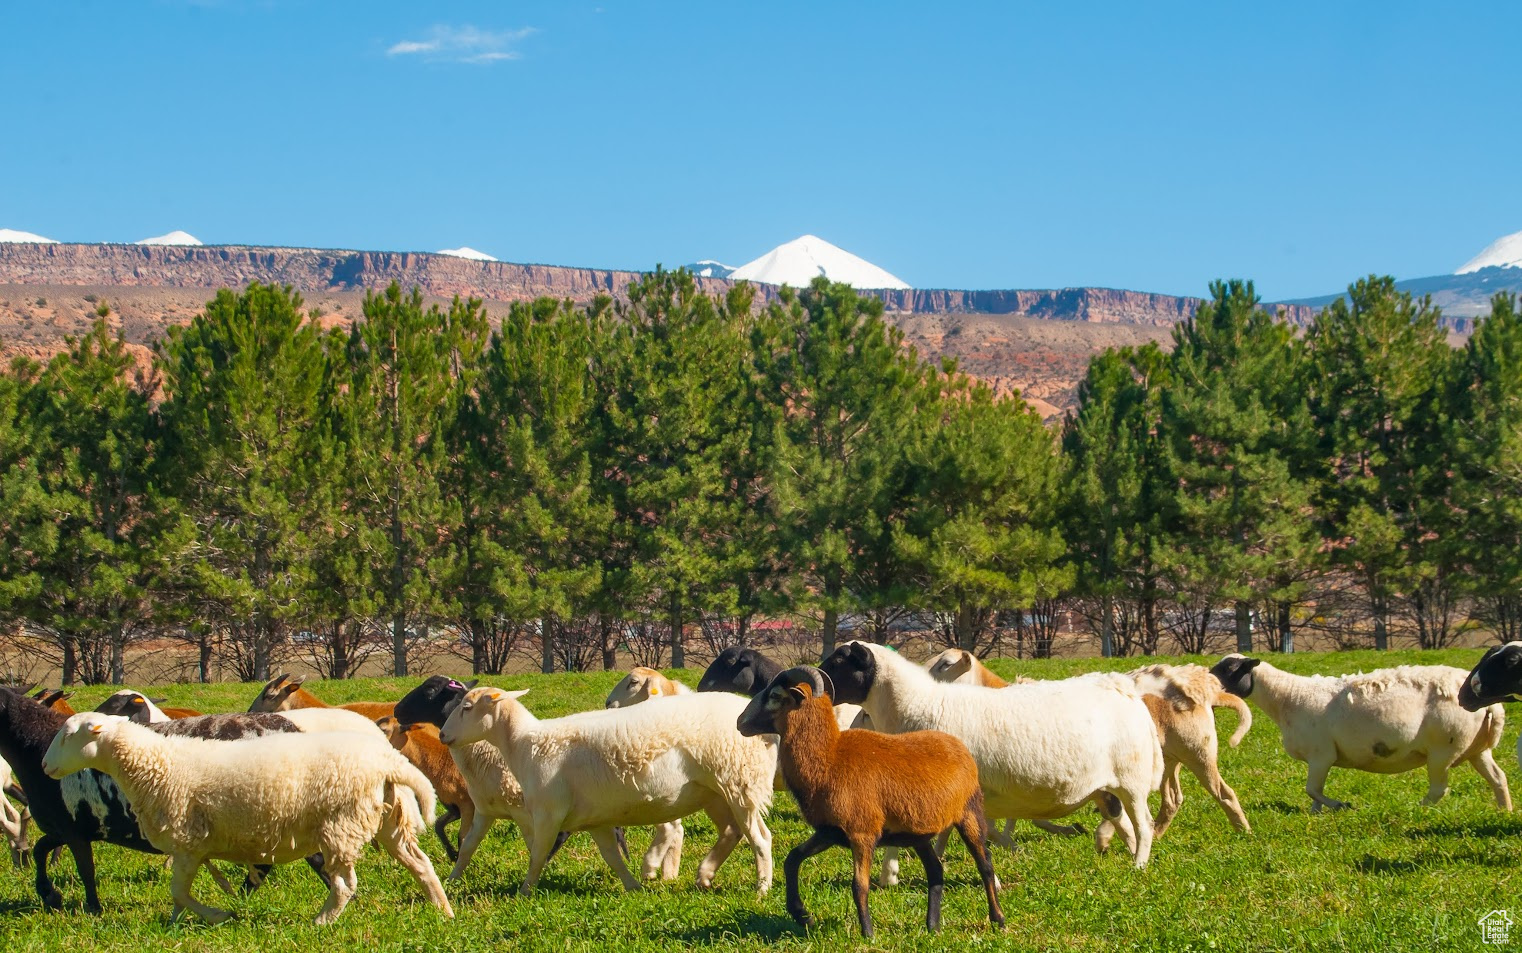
[[422, 804], [1225, 699]]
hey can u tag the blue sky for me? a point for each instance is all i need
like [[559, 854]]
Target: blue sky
[[1152, 146]]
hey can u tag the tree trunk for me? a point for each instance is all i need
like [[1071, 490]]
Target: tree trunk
[[70, 659], [831, 621], [398, 644], [678, 652], [204, 666], [262, 641], [118, 656], [1244, 627], [967, 630], [1381, 633], [609, 647], [742, 629], [1107, 626], [1286, 633], [340, 652], [546, 647]]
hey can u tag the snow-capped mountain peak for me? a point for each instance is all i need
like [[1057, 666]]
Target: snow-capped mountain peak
[[465, 252], [14, 235], [175, 237], [803, 259], [708, 268], [1504, 252]]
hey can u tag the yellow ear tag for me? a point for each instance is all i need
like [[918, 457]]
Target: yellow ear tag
[[95, 729], [655, 690], [496, 696]]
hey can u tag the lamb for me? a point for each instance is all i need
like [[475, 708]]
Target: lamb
[[284, 692], [1182, 700], [13, 820], [860, 789], [642, 683], [664, 857], [88, 806], [496, 793], [142, 709], [1043, 750], [420, 744], [648, 764], [1388, 721], [259, 800]]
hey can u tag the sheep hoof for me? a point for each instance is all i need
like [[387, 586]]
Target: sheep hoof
[[216, 916], [53, 900], [93, 909]]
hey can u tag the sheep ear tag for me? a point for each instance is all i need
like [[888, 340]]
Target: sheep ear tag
[[655, 690], [96, 729]]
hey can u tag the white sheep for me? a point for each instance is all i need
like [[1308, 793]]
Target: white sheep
[[1043, 749], [13, 820], [1386, 722], [641, 684], [663, 859], [311, 720], [272, 799], [648, 764]]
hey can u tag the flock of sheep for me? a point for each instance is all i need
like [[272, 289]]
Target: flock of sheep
[[877, 752]]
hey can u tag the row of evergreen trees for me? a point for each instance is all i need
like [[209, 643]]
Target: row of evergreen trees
[[580, 480]]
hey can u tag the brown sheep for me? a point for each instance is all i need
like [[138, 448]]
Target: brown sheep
[[420, 744], [862, 789], [55, 699], [284, 692]]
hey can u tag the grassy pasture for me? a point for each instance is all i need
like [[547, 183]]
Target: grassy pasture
[[1387, 875]]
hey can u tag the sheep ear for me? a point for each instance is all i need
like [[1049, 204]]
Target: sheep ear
[[472, 683], [798, 690], [295, 683], [158, 701]]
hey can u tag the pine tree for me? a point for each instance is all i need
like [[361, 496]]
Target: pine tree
[[1233, 414], [241, 467], [1380, 361]]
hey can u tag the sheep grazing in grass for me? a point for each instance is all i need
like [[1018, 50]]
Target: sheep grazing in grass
[[284, 692], [640, 684], [859, 789], [13, 820], [420, 744], [264, 800], [1043, 749], [648, 764], [1388, 721]]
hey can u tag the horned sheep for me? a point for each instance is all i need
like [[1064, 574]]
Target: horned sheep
[[860, 789]]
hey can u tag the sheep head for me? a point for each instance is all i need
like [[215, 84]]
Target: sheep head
[[477, 713], [785, 693], [851, 668], [1234, 672], [77, 744], [739, 669], [950, 665], [432, 701], [1497, 677], [130, 705], [639, 685], [276, 694]]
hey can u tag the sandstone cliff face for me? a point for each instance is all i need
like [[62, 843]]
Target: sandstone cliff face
[[1063, 304]]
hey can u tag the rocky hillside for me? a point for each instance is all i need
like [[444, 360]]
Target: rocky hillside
[[1034, 342]]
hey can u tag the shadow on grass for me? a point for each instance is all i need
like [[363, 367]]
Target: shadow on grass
[[1279, 807], [1369, 864], [1499, 826], [750, 925]]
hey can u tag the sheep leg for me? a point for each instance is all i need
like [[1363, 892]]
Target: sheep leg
[[760, 837], [396, 839], [729, 837], [1485, 763], [469, 841], [185, 868], [1315, 785], [341, 886], [444, 820], [888, 876], [935, 873], [1140, 816], [664, 858], [84, 862], [861, 879], [973, 829], [607, 845], [820, 840], [1171, 797], [1437, 781], [1114, 817], [220, 879], [46, 892], [1051, 827], [541, 842], [1208, 771]]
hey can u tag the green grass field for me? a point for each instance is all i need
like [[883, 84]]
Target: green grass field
[[1386, 875]]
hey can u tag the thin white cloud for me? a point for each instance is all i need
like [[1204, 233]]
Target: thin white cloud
[[463, 44]]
